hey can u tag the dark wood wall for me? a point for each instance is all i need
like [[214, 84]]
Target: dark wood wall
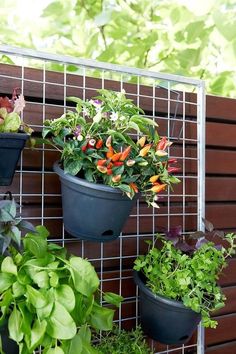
[[37, 188]]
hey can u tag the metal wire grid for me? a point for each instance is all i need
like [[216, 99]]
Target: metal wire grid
[[131, 242]]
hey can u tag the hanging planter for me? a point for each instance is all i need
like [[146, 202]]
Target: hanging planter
[[9, 346], [92, 211], [178, 282], [165, 320], [12, 139], [11, 145], [95, 143]]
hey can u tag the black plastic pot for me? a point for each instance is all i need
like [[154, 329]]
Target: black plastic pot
[[165, 320], [11, 145], [92, 211], [9, 346]]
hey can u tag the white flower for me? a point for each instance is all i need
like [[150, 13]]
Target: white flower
[[85, 111], [19, 104], [97, 117], [114, 116], [80, 137]]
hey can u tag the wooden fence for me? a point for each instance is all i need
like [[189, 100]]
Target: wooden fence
[[220, 187]]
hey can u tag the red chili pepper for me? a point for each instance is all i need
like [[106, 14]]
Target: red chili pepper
[[109, 171], [101, 162], [172, 161], [125, 153], [118, 163], [84, 148], [99, 144], [91, 143], [110, 165], [162, 145], [173, 169]]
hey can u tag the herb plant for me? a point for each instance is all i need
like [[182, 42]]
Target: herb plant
[[95, 143], [187, 268], [51, 299], [10, 109], [123, 342]]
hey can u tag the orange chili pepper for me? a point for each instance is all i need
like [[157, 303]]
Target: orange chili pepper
[[125, 153], [143, 152], [110, 153], [158, 188], [101, 162], [153, 179], [116, 156], [134, 187], [99, 144]]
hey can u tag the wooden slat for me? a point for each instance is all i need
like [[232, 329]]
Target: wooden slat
[[224, 332], [227, 348]]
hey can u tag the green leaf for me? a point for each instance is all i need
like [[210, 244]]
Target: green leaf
[[14, 325], [35, 297], [18, 289], [65, 296], [56, 350], [60, 323], [8, 266], [37, 334], [6, 280], [113, 299], [101, 318], [84, 276], [41, 279], [72, 166], [35, 244]]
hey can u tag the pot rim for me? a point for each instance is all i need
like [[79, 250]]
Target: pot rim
[[18, 135], [139, 277], [83, 182]]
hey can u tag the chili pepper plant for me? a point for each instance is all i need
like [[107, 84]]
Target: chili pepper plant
[[109, 140], [10, 109]]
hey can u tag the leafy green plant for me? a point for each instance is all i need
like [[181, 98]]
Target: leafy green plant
[[10, 109], [11, 225], [186, 268], [123, 342], [95, 143], [51, 299]]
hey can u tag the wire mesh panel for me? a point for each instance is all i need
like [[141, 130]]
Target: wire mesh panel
[[175, 103]]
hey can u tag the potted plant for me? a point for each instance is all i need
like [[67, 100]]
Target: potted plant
[[122, 342], [102, 169], [48, 298], [178, 283], [13, 135]]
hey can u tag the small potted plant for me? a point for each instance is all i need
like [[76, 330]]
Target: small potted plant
[[120, 341], [178, 283], [48, 298], [13, 135], [102, 169]]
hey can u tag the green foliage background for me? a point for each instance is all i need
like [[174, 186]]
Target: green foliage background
[[186, 37]]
